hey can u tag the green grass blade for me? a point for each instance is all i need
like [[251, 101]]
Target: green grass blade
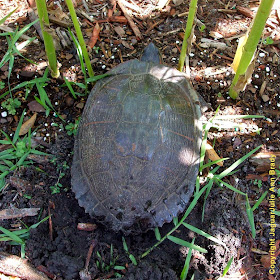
[[203, 233], [212, 163], [132, 258], [250, 217], [230, 187], [238, 162], [16, 135], [184, 243], [259, 201], [157, 234], [13, 236], [23, 30], [124, 244], [98, 77], [227, 267], [185, 270], [2, 20]]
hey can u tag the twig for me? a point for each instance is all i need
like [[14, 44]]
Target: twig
[[130, 21], [15, 266]]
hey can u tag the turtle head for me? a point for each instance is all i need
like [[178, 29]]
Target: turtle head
[[151, 54]]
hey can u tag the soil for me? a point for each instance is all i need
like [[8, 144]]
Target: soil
[[58, 247]]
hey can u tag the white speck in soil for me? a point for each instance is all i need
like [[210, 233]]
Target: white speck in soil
[[112, 57], [191, 54], [4, 114], [261, 54], [177, 42], [103, 66], [56, 103], [267, 69], [267, 139], [257, 76], [46, 124]]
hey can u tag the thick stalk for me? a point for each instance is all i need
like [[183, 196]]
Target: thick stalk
[[48, 39], [188, 32], [250, 46]]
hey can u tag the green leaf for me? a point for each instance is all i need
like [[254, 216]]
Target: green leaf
[[238, 162], [259, 201], [227, 267], [97, 77], [182, 242], [203, 233], [124, 244], [118, 267], [250, 217], [185, 270], [13, 236], [157, 234], [230, 186], [132, 258], [175, 221], [2, 20]]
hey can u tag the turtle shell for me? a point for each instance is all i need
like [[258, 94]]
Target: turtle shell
[[136, 151]]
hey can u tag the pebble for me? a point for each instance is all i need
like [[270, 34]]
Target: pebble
[[4, 114], [265, 98]]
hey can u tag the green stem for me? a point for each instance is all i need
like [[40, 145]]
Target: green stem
[[80, 36], [188, 32], [48, 39], [251, 44]]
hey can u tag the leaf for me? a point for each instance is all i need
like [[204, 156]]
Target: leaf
[[157, 234], [27, 125], [184, 243], [13, 236], [228, 266], [185, 270], [203, 233], [95, 35], [212, 155], [132, 258], [2, 20]]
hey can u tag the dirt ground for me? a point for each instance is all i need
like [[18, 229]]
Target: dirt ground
[[58, 247]]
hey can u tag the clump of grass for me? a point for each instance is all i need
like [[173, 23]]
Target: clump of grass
[[17, 154], [18, 237]]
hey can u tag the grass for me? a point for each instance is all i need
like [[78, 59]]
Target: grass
[[16, 154], [18, 237], [14, 48]]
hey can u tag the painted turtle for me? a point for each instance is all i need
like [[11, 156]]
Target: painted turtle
[[136, 151]]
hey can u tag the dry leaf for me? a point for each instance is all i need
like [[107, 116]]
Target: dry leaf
[[95, 35], [27, 125], [212, 154]]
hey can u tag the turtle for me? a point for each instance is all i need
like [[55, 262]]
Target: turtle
[[137, 147]]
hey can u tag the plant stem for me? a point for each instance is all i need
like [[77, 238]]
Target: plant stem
[[188, 31], [250, 46], [48, 39], [80, 36]]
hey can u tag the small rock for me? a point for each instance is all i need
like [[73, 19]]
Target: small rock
[[4, 114], [27, 74], [265, 98], [34, 106], [69, 101], [174, 50], [80, 105]]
